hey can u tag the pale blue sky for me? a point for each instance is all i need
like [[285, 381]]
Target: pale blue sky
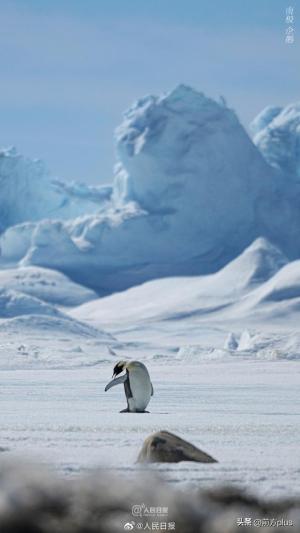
[[70, 67]]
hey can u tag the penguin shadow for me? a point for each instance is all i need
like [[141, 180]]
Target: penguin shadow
[[143, 412], [134, 412]]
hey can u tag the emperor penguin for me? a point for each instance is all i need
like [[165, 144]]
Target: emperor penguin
[[137, 385]]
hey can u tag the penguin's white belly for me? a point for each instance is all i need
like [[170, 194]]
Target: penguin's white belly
[[140, 386]]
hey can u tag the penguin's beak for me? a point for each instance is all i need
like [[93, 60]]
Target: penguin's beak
[[116, 381]]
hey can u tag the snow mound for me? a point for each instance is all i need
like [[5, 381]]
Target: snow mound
[[284, 286], [37, 324], [252, 345], [277, 135], [178, 298], [279, 297], [45, 284], [22, 315], [28, 193], [271, 346], [259, 262], [40, 341], [14, 303]]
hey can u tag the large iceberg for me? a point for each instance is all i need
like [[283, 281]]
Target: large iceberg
[[191, 191]]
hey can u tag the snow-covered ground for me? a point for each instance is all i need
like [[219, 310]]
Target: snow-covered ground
[[223, 352], [246, 414]]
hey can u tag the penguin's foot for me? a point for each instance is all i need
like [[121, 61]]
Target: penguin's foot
[[125, 410]]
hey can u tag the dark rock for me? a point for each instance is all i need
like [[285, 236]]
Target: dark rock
[[165, 447]]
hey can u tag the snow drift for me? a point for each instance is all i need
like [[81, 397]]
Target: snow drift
[[193, 297], [45, 284], [18, 309], [13, 303]]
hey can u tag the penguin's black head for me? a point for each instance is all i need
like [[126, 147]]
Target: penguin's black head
[[120, 366]]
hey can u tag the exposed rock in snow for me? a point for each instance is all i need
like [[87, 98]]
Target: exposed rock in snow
[[45, 284], [277, 135], [165, 447], [29, 194]]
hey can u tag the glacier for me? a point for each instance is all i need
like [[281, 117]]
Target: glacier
[[190, 192]]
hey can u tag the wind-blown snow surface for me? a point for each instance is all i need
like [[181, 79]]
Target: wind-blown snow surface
[[35, 333], [198, 297], [190, 192], [244, 413]]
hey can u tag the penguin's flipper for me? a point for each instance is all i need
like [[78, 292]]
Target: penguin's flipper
[[116, 381], [152, 390]]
